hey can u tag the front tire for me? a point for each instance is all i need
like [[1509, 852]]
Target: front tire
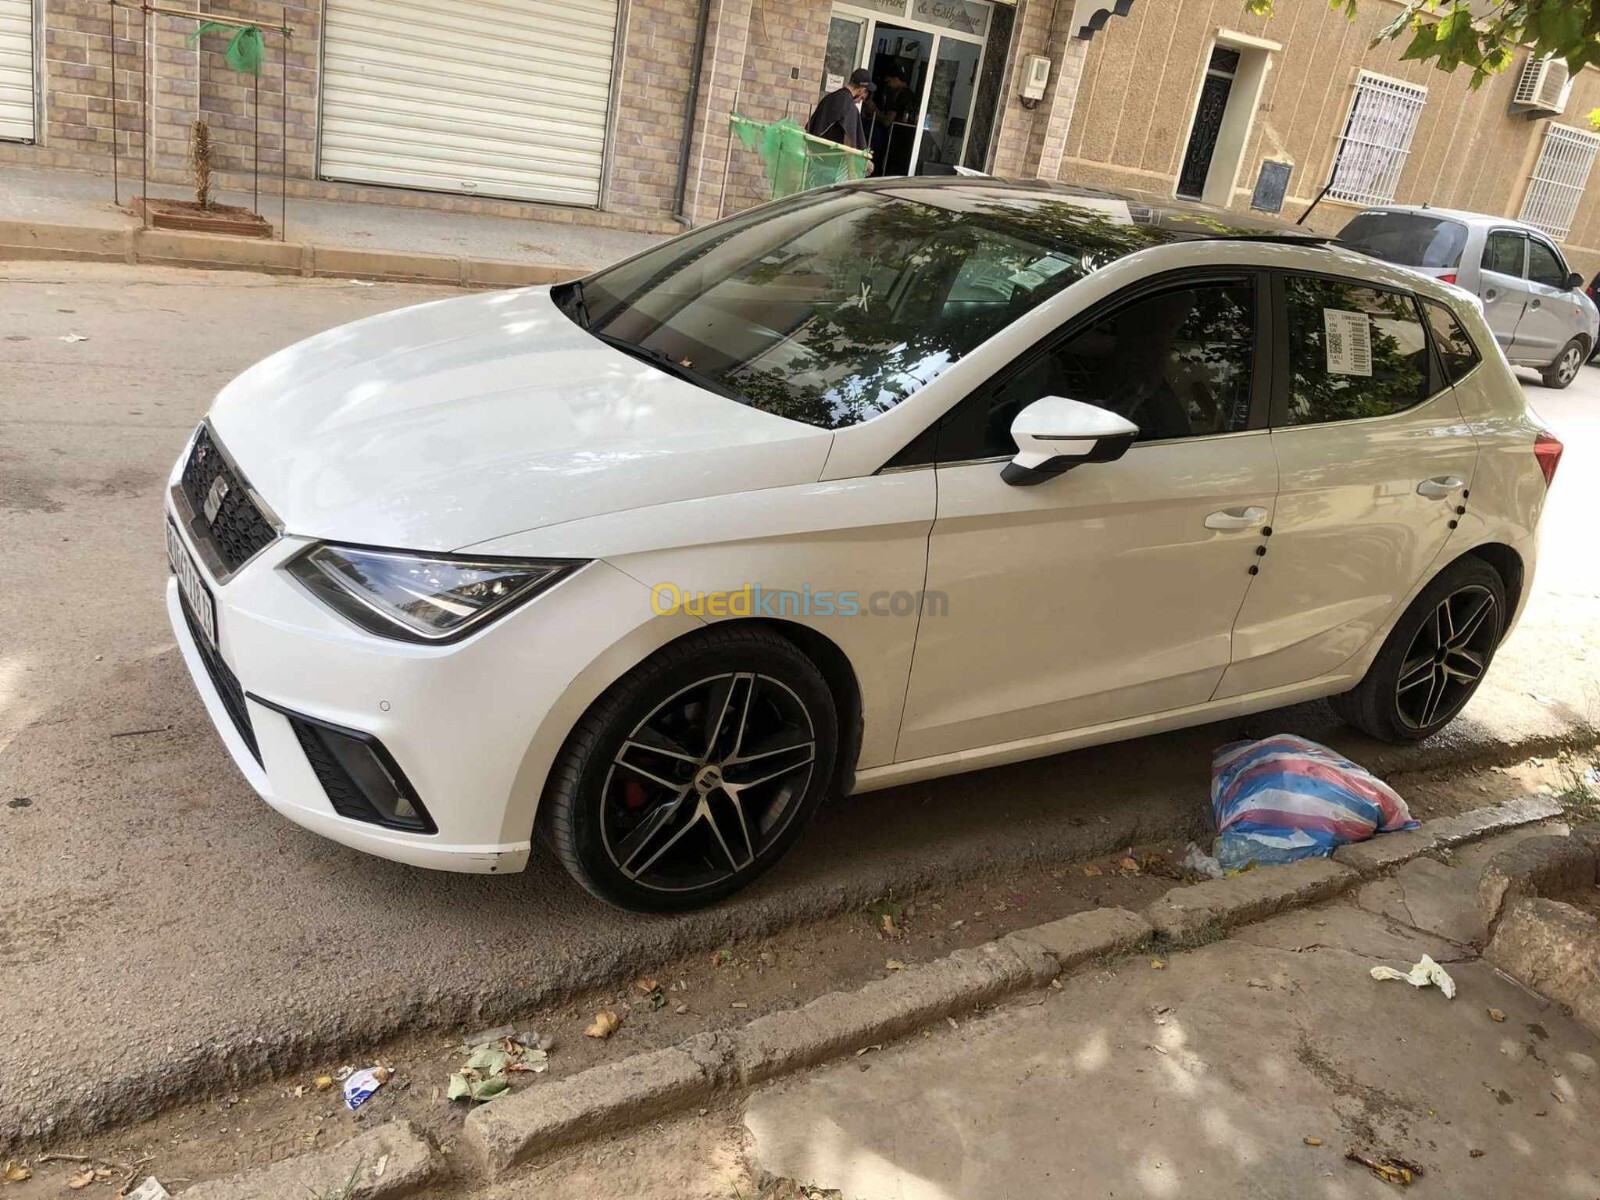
[[693, 773], [1433, 659], [1564, 369]]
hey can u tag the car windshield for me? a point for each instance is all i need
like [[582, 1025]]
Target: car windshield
[[1408, 239], [835, 306]]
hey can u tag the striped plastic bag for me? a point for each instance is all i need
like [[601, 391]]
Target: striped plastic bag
[[1286, 798]]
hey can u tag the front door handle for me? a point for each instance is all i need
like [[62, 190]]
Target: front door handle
[[1236, 518], [1440, 487]]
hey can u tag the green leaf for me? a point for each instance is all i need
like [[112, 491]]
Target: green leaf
[[459, 1087], [1594, 118], [488, 1059], [490, 1088]]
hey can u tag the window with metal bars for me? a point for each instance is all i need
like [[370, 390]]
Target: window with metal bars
[[1558, 179], [1376, 139]]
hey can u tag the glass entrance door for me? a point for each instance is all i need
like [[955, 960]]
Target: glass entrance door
[[948, 114], [845, 38]]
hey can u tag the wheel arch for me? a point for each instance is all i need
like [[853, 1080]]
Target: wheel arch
[[1509, 566]]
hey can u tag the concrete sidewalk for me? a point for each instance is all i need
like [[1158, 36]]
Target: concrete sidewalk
[[1207, 1077], [57, 198]]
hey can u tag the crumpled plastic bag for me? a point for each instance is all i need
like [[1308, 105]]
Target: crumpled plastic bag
[[1285, 798], [1421, 975]]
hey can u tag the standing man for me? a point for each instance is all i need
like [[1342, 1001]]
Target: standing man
[[837, 117]]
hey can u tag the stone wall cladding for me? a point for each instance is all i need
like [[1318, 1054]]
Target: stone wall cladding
[[651, 95]]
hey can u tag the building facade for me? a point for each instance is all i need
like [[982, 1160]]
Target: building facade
[[616, 111]]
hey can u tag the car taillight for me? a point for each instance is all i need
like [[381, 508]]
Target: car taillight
[[1547, 449], [1450, 278]]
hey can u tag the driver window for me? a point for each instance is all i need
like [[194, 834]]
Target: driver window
[[1176, 363]]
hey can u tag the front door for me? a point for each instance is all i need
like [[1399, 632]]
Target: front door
[[1502, 284], [1109, 592], [1373, 460], [1554, 313]]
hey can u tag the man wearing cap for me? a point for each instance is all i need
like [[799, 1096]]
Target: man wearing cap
[[837, 117]]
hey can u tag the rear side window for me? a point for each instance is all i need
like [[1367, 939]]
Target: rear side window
[[1455, 347], [1410, 239], [1502, 253], [1354, 351]]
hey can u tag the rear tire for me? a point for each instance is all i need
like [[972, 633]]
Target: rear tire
[[1433, 659], [694, 773], [1566, 366]]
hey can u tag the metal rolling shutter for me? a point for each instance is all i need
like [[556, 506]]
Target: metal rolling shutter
[[487, 97], [16, 69]]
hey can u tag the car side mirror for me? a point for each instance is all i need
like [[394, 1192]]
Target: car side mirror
[[1574, 281], [1055, 434]]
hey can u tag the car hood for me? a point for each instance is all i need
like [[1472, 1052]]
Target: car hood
[[449, 423]]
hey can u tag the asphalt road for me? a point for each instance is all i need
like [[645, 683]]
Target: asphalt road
[[161, 930]]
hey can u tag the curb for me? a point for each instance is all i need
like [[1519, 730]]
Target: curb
[[391, 1160], [170, 248], [515, 1128]]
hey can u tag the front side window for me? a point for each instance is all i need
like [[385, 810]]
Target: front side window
[[1502, 253], [835, 306], [1354, 351], [1455, 347], [1177, 364], [1544, 266]]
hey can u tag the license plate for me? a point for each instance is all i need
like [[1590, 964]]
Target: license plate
[[191, 586]]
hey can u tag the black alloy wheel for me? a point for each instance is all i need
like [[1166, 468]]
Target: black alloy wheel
[[694, 773]]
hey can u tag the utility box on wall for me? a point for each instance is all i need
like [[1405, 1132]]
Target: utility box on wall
[[1035, 77]]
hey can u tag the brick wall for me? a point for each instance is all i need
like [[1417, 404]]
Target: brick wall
[[651, 94]]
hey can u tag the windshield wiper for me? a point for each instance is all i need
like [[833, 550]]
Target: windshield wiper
[[665, 361], [571, 302]]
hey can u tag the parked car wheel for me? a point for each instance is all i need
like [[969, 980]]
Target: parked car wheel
[[1434, 657], [694, 773], [1564, 370]]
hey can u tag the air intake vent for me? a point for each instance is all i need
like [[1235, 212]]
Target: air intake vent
[[1543, 85]]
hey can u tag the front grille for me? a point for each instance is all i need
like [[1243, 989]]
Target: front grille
[[236, 527], [226, 683]]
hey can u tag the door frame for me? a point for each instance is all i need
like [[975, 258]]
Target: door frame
[[876, 17], [1256, 61]]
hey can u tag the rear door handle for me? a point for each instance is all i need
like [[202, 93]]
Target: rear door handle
[[1440, 487], [1236, 518]]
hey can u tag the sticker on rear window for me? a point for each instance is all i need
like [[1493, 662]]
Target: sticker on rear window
[[1347, 337]]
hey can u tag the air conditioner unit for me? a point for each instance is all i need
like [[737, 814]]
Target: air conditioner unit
[[1543, 85]]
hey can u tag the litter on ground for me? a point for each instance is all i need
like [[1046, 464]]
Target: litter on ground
[[1286, 798], [1421, 975]]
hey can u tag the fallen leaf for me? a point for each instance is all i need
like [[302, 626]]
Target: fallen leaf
[[1475, 1153], [324, 1082], [1312, 1141], [1156, 964], [604, 1025], [460, 1087], [81, 1180], [894, 964], [721, 958], [681, 1009], [488, 1059], [1129, 865], [1091, 869], [646, 985], [887, 926], [1496, 1015], [16, 1172]]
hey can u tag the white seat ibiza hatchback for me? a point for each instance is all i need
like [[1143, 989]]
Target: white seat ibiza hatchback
[[874, 484]]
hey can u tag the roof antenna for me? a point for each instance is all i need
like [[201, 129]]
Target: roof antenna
[[1314, 203]]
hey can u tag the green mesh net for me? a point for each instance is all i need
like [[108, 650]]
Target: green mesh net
[[794, 160]]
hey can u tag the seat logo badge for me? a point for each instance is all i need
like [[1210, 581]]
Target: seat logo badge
[[708, 780], [215, 495]]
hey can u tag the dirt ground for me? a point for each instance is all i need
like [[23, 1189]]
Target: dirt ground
[[666, 1002]]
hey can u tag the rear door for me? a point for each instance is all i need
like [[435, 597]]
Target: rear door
[[1373, 459], [1553, 314], [1503, 284]]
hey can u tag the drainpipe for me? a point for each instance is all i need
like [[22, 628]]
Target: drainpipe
[[691, 110]]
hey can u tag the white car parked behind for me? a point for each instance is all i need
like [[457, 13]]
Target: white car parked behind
[[867, 486]]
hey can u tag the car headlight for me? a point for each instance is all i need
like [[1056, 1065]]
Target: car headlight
[[422, 597]]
